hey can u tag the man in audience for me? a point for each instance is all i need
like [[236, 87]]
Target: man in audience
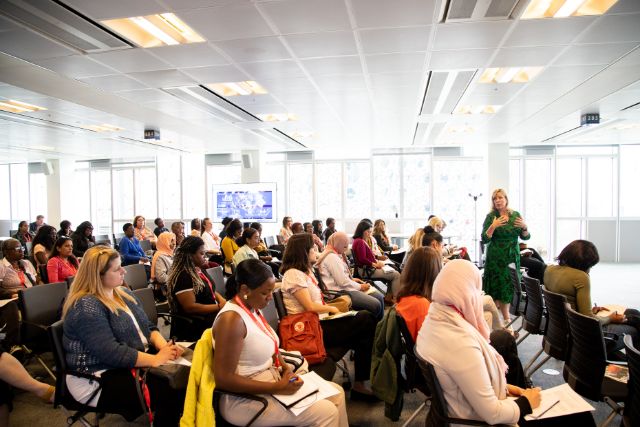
[[130, 248], [331, 228], [177, 228], [35, 226], [160, 228]]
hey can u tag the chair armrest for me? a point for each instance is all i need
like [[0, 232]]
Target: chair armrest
[[253, 397], [617, 362], [35, 325], [85, 375]]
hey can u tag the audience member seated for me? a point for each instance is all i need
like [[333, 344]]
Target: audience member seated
[[261, 249], [211, 241], [23, 236], [35, 226], [160, 228], [417, 280], [162, 261], [335, 274], [373, 245], [247, 359], [415, 242], [331, 228], [308, 228], [225, 221], [380, 234], [297, 228], [454, 338], [364, 257], [285, 231], [533, 262], [82, 239], [43, 244], [196, 226], [301, 293], [15, 272], [177, 228], [571, 279], [13, 374], [130, 248], [191, 293], [248, 242], [62, 263], [316, 225], [140, 230], [229, 245], [107, 334], [65, 229]]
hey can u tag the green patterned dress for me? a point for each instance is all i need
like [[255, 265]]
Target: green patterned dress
[[502, 249]]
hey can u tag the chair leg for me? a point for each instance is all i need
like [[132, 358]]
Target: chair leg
[[512, 321], [522, 338], [616, 409], [44, 365], [533, 359], [415, 413], [538, 366]]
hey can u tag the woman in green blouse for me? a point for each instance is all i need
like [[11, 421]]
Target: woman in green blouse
[[500, 232]]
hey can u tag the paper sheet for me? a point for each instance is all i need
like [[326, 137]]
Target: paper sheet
[[312, 381], [325, 316], [185, 344], [4, 302], [180, 361], [569, 402]]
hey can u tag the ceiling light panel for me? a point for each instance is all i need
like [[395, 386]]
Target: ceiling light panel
[[244, 88], [565, 8], [509, 74], [477, 109], [13, 106], [164, 29], [278, 117], [102, 128], [466, 10]]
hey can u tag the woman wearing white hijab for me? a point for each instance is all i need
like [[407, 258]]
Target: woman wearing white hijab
[[454, 338]]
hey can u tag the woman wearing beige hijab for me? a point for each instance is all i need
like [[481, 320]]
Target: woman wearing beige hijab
[[162, 260]]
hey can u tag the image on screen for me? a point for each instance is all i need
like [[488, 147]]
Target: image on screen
[[248, 202]]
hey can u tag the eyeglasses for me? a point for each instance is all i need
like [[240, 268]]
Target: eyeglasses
[[18, 249]]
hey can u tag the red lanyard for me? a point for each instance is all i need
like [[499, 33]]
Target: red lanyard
[[263, 326], [315, 282], [206, 280], [456, 309]]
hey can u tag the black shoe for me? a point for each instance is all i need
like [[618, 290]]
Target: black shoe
[[364, 397]]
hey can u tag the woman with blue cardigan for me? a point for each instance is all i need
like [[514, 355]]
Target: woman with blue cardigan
[[107, 334]]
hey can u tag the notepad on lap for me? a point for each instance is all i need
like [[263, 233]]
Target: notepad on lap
[[610, 308], [327, 316], [568, 402], [315, 388]]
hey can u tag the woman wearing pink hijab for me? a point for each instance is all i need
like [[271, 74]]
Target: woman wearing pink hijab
[[336, 276], [454, 338], [162, 261]]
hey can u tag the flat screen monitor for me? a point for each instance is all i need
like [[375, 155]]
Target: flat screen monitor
[[248, 202]]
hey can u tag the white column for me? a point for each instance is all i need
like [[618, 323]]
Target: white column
[[498, 167]]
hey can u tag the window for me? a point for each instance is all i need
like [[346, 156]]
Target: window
[[386, 186], [300, 206], [5, 193], [101, 201], [416, 176], [357, 187], [569, 188], [601, 187], [537, 203], [122, 194], [276, 173], [629, 178], [515, 182], [329, 190], [38, 194], [19, 192], [221, 174], [146, 200], [193, 186], [169, 187], [80, 210]]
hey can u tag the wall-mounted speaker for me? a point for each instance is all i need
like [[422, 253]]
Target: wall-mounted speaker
[[247, 161]]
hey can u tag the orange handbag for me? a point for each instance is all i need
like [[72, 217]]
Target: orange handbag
[[302, 332]]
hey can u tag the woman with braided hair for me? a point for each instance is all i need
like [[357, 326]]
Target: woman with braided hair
[[191, 293]]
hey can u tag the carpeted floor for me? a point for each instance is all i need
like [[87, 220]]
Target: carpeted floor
[[611, 283]]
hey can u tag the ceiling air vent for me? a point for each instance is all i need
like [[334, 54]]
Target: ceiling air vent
[[481, 10], [54, 19], [444, 90]]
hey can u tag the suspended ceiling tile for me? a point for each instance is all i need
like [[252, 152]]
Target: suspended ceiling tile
[[257, 49], [347, 82], [218, 74], [594, 54], [145, 95], [273, 70], [233, 21], [380, 80], [101, 10], [199, 4], [163, 78], [189, 55], [459, 59], [278, 86], [395, 62], [113, 83], [333, 65], [470, 35], [614, 29], [130, 60], [7, 25], [75, 66], [322, 44], [307, 16], [525, 56], [544, 32], [392, 40], [397, 13], [27, 45]]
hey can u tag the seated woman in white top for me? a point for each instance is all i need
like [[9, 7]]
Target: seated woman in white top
[[336, 276], [285, 231], [249, 361], [248, 243], [211, 239]]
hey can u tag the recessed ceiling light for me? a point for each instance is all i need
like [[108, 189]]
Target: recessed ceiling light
[[102, 128], [13, 106], [248, 87], [302, 134], [154, 30], [509, 74], [42, 147], [277, 117], [460, 129], [477, 109], [564, 8]]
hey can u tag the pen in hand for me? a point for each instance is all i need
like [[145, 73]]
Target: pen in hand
[[293, 379], [547, 410]]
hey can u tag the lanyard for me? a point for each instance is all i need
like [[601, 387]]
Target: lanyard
[[206, 280], [315, 282], [262, 325]]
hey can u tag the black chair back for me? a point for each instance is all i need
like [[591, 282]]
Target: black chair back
[[270, 241], [102, 239], [40, 308], [556, 338], [632, 405], [270, 312], [535, 312], [586, 361], [519, 297], [145, 245], [56, 333], [42, 271], [136, 276], [69, 281], [148, 302], [413, 378], [217, 275], [278, 300]]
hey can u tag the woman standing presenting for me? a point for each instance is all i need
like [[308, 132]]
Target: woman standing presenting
[[500, 232]]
